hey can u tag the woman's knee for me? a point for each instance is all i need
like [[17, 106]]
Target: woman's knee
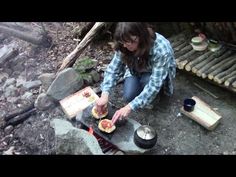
[[129, 96], [131, 88]]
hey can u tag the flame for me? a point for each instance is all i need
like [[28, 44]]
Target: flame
[[90, 130]]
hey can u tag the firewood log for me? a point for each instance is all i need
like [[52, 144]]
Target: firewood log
[[177, 43], [26, 33], [183, 51], [234, 84], [185, 56], [231, 30], [180, 47], [26, 109], [197, 60], [222, 67], [221, 77], [20, 118], [214, 64], [207, 60], [182, 64], [230, 80], [7, 54], [174, 38]]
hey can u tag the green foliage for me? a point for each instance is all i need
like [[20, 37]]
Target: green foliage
[[84, 65]]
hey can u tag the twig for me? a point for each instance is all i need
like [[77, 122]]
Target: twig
[[206, 91]]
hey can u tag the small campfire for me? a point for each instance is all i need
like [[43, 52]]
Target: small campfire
[[107, 147]]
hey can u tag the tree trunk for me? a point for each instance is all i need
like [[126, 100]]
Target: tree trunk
[[26, 33]]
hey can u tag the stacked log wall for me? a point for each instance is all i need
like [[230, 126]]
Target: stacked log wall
[[217, 67]]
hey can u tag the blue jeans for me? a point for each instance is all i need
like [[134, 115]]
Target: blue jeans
[[134, 85]]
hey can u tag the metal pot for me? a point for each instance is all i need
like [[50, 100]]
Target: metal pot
[[145, 137]]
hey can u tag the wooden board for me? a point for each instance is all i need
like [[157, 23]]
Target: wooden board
[[203, 114], [77, 102]]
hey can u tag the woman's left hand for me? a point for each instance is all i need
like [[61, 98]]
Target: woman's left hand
[[121, 113]]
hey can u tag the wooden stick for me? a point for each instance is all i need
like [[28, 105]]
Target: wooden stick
[[72, 57], [205, 90]]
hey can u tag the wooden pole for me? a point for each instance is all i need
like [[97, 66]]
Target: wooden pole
[[72, 57]]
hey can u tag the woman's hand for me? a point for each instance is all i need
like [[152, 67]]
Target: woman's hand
[[101, 104], [121, 113]]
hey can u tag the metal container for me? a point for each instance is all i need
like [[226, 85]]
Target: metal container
[[145, 137]]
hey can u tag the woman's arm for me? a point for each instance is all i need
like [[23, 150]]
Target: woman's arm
[[160, 70], [113, 72]]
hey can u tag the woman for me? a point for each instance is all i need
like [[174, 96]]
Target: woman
[[146, 60]]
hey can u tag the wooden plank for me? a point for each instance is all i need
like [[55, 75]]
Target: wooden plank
[[77, 102], [203, 114], [206, 108]]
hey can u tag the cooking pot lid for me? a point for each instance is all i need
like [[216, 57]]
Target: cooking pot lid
[[146, 132]]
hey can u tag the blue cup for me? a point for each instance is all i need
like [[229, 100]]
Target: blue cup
[[189, 104]]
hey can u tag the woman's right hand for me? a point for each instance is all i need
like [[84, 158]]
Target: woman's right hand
[[101, 103]]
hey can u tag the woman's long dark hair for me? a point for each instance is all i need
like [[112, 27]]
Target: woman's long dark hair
[[123, 33]]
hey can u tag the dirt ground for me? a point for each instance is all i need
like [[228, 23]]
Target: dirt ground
[[177, 134]]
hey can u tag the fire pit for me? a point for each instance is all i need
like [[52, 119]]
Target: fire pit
[[122, 138]]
